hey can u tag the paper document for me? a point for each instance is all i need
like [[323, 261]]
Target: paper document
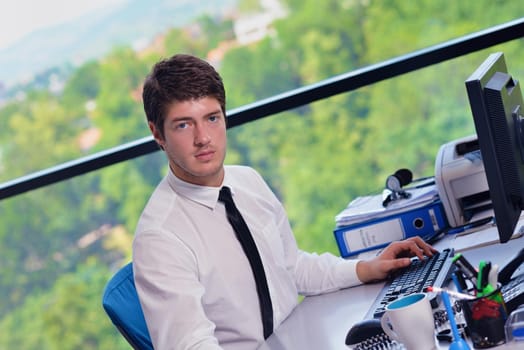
[[370, 207], [484, 235]]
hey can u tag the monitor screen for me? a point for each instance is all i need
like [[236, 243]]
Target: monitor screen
[[496, 104]]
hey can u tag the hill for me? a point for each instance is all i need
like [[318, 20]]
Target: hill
[[134, 22]]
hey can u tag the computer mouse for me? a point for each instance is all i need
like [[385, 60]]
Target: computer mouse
[[368, 331]]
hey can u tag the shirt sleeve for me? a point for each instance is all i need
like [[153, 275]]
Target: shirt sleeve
[[316, 273], [170, 293]]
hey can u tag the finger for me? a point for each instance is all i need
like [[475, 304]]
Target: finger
[[414, 248], [393, 250], [417, 250], [427, 249]]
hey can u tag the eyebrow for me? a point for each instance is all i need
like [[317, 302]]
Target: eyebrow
[[178, 119], [186, 118], [181, 118], [218, 111]]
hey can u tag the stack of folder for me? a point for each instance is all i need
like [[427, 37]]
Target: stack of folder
[[366, 224]]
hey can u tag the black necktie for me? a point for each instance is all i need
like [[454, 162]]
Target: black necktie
[[250, 249]]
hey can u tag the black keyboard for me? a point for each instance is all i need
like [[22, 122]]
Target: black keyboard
[[433, 271]]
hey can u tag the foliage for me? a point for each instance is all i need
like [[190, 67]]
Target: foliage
[[68, 316]]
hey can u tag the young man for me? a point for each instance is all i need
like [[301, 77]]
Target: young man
[[195, 282]]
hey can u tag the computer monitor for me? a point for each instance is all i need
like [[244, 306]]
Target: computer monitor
[[496, 104]]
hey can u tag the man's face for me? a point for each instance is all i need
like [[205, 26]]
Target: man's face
[[195, 140]]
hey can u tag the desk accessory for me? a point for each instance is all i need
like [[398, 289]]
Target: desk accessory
[[459, 281], [433, 271], [465, 267], [513, 286], [458, 342], [456, 295], [394, 183], [365, 224], [515, 328], [407, 314], [513, 292], [368, 334], [485, 317], [461, 179]]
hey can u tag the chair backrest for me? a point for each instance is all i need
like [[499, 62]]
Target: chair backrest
[[120, 301]]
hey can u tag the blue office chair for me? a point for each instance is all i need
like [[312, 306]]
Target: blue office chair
[[120, 301]]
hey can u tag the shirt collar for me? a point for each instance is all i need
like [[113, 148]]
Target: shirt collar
[[205, 195]]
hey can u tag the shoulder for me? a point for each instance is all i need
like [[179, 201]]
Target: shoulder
[[158, 208], [240, 170], [248, 181], [244, 175]]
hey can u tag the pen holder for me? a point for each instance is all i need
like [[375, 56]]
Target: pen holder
[[485, 317]]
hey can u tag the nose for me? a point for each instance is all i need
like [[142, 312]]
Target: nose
[[201, 135]]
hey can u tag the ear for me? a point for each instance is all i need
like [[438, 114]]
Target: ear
[[156, 134]]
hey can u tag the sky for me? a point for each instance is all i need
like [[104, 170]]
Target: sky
[[21, 17]]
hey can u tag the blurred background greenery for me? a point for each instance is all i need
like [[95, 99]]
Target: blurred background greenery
[[60, 244]]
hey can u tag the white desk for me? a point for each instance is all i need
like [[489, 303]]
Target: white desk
[[322, 322]]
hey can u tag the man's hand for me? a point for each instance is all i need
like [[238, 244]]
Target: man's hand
[[395, 256]]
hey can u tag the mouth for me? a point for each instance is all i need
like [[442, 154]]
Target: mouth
[[205, 155]]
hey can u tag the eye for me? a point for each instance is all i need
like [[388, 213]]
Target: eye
[[213, 118], [182, 125]]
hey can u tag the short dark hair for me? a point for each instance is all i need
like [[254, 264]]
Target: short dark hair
[[179, 78]]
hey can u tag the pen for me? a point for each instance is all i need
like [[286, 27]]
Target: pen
[[469, 226], [458, 280], [456, 295], [467, 269], [485, 287], [493, 276], [482, 280]]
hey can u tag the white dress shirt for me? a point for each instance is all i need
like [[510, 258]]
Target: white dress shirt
[[193, 279]]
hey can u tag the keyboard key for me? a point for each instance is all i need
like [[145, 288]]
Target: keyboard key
[[432, 271]]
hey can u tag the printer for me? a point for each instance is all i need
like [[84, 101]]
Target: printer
[[461, 181]]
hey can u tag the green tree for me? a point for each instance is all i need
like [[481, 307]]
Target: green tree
[[68, 316]]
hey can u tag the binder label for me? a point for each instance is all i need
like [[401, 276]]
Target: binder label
[[378, 234]]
